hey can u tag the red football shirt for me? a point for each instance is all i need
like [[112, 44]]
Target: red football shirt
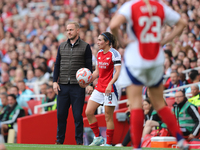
[[106, 63]]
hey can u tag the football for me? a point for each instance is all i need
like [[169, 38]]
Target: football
[[83, 75]]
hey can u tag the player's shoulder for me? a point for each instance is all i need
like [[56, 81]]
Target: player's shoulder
[[114, 52], [100, 51]]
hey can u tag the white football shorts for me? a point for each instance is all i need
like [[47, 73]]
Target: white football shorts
[[101, 98], [140, 76]]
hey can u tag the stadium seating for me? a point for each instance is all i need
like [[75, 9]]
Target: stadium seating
[[25, 110], [32, 104]]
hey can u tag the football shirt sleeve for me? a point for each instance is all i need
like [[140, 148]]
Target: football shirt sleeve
[[171, 16], [116, 58], [125, 10]]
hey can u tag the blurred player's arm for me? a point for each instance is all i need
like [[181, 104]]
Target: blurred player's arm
[[179, 26], [115, 24]]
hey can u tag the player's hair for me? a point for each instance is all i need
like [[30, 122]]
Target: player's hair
[[148, 7], [111, 38]]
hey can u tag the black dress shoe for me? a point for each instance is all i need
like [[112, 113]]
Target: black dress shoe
[[58, 143]]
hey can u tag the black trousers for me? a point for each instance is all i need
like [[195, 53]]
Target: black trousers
[[75, 95], [127, 138]]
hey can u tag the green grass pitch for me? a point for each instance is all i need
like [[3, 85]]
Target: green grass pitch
[[69, 147]]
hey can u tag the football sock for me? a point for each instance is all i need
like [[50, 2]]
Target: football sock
[[136, 120], [109, 136], [170, 120], [95, 129]]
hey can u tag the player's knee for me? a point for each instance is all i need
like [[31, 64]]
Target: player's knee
[[89, 113], [108, 117]]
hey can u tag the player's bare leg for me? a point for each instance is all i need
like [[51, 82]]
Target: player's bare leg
[[90, 110], [109, 110]]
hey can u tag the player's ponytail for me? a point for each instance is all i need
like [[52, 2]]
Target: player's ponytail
[[148, 7], [111, 38]]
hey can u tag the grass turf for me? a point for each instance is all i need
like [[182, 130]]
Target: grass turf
[[69, 147]]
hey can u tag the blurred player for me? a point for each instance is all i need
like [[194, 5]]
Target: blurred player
[[144, 58]]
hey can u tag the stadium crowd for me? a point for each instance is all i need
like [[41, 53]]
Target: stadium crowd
[[32, 30]]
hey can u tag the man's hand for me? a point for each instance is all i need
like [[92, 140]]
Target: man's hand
[[56, 87], [89, 89], [83, 85]]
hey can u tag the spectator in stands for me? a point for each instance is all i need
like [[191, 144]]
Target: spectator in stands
[[197, 32], [180, 68], [10, 115], [4, 67], [167, 65], [195, 99], [197, 46], [30, 78], [187, 116], [40, 79], [152, 119], [194, 77], [47, 44], [191, 54], [43, 88], [186, 62], [4, 78], [19, 75], [25, 94], [192, 39], [4, 102], [175, 82], [193, 63], [174, 67], [181, 55], [12, 73], [3, 89], [14, 90], [51, 96], [45, 69]]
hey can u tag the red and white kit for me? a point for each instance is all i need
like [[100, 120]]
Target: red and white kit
[[106, 63], [144, 57]]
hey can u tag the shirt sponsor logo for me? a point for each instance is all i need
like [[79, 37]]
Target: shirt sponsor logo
[[103, 65]]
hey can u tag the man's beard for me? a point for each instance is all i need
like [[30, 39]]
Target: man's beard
[[72, 38]]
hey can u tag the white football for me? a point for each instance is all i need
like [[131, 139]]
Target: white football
[[83, 75]]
